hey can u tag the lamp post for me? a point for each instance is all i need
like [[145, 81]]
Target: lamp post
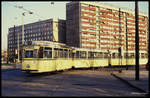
[[18, 49], [18, 46], [136, 42], [23, 14]]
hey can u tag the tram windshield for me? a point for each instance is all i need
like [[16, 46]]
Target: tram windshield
[[29, 54]]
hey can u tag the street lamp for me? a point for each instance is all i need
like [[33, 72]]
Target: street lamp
[[18, 49], [23, 14], [18, 60]]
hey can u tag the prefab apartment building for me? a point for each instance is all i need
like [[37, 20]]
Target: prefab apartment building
[[93, 25], [45, 30]]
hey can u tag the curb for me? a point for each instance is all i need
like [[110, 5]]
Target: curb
[[125, 81]]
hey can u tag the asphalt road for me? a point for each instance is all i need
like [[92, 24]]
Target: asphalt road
[[69, 83]]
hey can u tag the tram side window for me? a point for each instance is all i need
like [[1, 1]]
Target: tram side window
[[77, 54], [48, 52], [132, 55], [61, 53], [126, 55], [65, 53], [82, 54], [70, 54], [56, 53], [113, 55], [90, 55], [100, 55], [97, 55], [117, 55], [146, 55], [105, 55], [142, 55], [29, 54]]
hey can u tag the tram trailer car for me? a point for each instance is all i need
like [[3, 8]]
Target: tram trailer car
[[47, 56]]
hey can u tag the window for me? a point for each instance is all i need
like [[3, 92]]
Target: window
[[29, 54], [90, 55], [77, 54], [83, 54], [48, 52], [132, 55], [146, 55], [105, 55], [65, 53], [126, 55], [56, 53], [100, 55], [61, 53], [142, 55], [113, 55], [70, 54]]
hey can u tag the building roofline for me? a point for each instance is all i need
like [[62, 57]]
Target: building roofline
[[51, 19], [124, 9]]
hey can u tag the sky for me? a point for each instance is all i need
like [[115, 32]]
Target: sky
[[44, 10]]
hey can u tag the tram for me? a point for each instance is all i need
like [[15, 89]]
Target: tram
[[47, 56]]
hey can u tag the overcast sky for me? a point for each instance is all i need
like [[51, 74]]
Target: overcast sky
[[44, 10]]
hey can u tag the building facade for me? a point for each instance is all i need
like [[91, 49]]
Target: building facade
[[110, 29], [46, 30]]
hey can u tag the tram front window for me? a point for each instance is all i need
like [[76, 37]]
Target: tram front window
[[29, 54]]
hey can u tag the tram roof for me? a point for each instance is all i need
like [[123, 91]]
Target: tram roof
[[45, 43], [57, 44], [84, 49]]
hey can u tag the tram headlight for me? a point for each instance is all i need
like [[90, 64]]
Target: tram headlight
[[27, 66]]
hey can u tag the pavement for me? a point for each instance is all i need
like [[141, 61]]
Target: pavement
[[7, 67], [10, 67], [128, 77]]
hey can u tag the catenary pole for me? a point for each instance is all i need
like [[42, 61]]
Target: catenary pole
[[136, 41]]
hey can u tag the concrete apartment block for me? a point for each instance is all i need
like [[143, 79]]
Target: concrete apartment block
[[94, 25]]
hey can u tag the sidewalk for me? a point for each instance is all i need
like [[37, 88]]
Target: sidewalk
[[10, 67], [128, 76]]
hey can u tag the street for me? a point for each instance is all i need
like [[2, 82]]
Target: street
[[68, 83]]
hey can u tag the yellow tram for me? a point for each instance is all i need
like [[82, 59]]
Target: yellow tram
[[47, 56]]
